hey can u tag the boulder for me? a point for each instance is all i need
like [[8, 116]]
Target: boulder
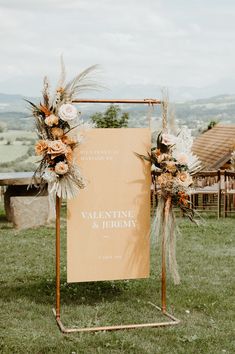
[[29, 211]]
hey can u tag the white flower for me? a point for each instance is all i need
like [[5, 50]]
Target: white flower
[[49, 176], [184, 179], [168, 139], [67, 112]]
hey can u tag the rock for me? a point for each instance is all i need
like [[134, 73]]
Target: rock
[[29, 211], [15, 191]]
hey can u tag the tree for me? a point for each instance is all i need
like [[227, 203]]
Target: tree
[[111, 118], [212, 124]]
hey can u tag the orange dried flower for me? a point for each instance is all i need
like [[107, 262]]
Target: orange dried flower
[[183, 198], [157, 152], [69, 154], [57, 132], [67, 140], [41, 147], [45, 110]]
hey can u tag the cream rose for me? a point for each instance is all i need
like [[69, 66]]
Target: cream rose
[[56, 148], [61, 168], [67, 112], [51, 120]]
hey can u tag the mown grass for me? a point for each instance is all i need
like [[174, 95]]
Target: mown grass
[[204, 301]]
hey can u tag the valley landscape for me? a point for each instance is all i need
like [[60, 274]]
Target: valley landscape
[[17, 137]]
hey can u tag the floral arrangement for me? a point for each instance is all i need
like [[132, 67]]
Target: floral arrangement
[[173, 166], [59, 127]]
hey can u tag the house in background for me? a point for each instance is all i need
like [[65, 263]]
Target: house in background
[[214, 147], [215, 188]]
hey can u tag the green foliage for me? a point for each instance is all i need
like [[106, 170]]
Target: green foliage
[[110, 118], [211, 124], [204, 301]]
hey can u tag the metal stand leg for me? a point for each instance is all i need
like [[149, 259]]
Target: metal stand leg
[[58, 206]]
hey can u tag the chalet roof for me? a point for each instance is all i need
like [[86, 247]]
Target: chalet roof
[[214, 147]]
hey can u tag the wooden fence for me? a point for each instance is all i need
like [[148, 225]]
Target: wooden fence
[[213, 191]]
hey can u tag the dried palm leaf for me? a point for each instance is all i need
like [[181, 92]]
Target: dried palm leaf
[[45, 92], [61, 81], [81, 83]]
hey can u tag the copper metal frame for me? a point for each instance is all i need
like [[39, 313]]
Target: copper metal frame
[[172, 320]]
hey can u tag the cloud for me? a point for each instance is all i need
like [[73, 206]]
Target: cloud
[[160, 42]]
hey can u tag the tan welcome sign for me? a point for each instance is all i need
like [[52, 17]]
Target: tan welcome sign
[[109, 222]]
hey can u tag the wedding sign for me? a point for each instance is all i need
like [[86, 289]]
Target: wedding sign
[[108, 223]]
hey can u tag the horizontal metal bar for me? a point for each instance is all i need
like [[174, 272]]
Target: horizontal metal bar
[[144, 101], [65, 330]]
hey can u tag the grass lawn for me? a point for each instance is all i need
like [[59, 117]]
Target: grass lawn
[[204, 301]]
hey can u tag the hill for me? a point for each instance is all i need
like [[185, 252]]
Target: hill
[[196, 114]]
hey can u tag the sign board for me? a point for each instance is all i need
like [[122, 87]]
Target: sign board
[[108, 223]]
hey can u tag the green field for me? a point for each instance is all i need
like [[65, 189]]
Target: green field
[[16, 148], [13, 134], [10, 153], [204, 301]]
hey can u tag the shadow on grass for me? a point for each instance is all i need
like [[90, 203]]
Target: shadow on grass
[[4, 223], [43, 291], [3, 218]]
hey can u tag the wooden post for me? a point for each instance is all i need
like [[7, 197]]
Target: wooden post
[[219, 194], [225, 194]]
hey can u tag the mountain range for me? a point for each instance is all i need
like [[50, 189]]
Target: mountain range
[[15, 113]]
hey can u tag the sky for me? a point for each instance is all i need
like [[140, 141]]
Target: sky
[[170, 43]]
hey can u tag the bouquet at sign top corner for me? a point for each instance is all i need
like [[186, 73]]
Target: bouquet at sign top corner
[[59, 128], [173, 166]]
